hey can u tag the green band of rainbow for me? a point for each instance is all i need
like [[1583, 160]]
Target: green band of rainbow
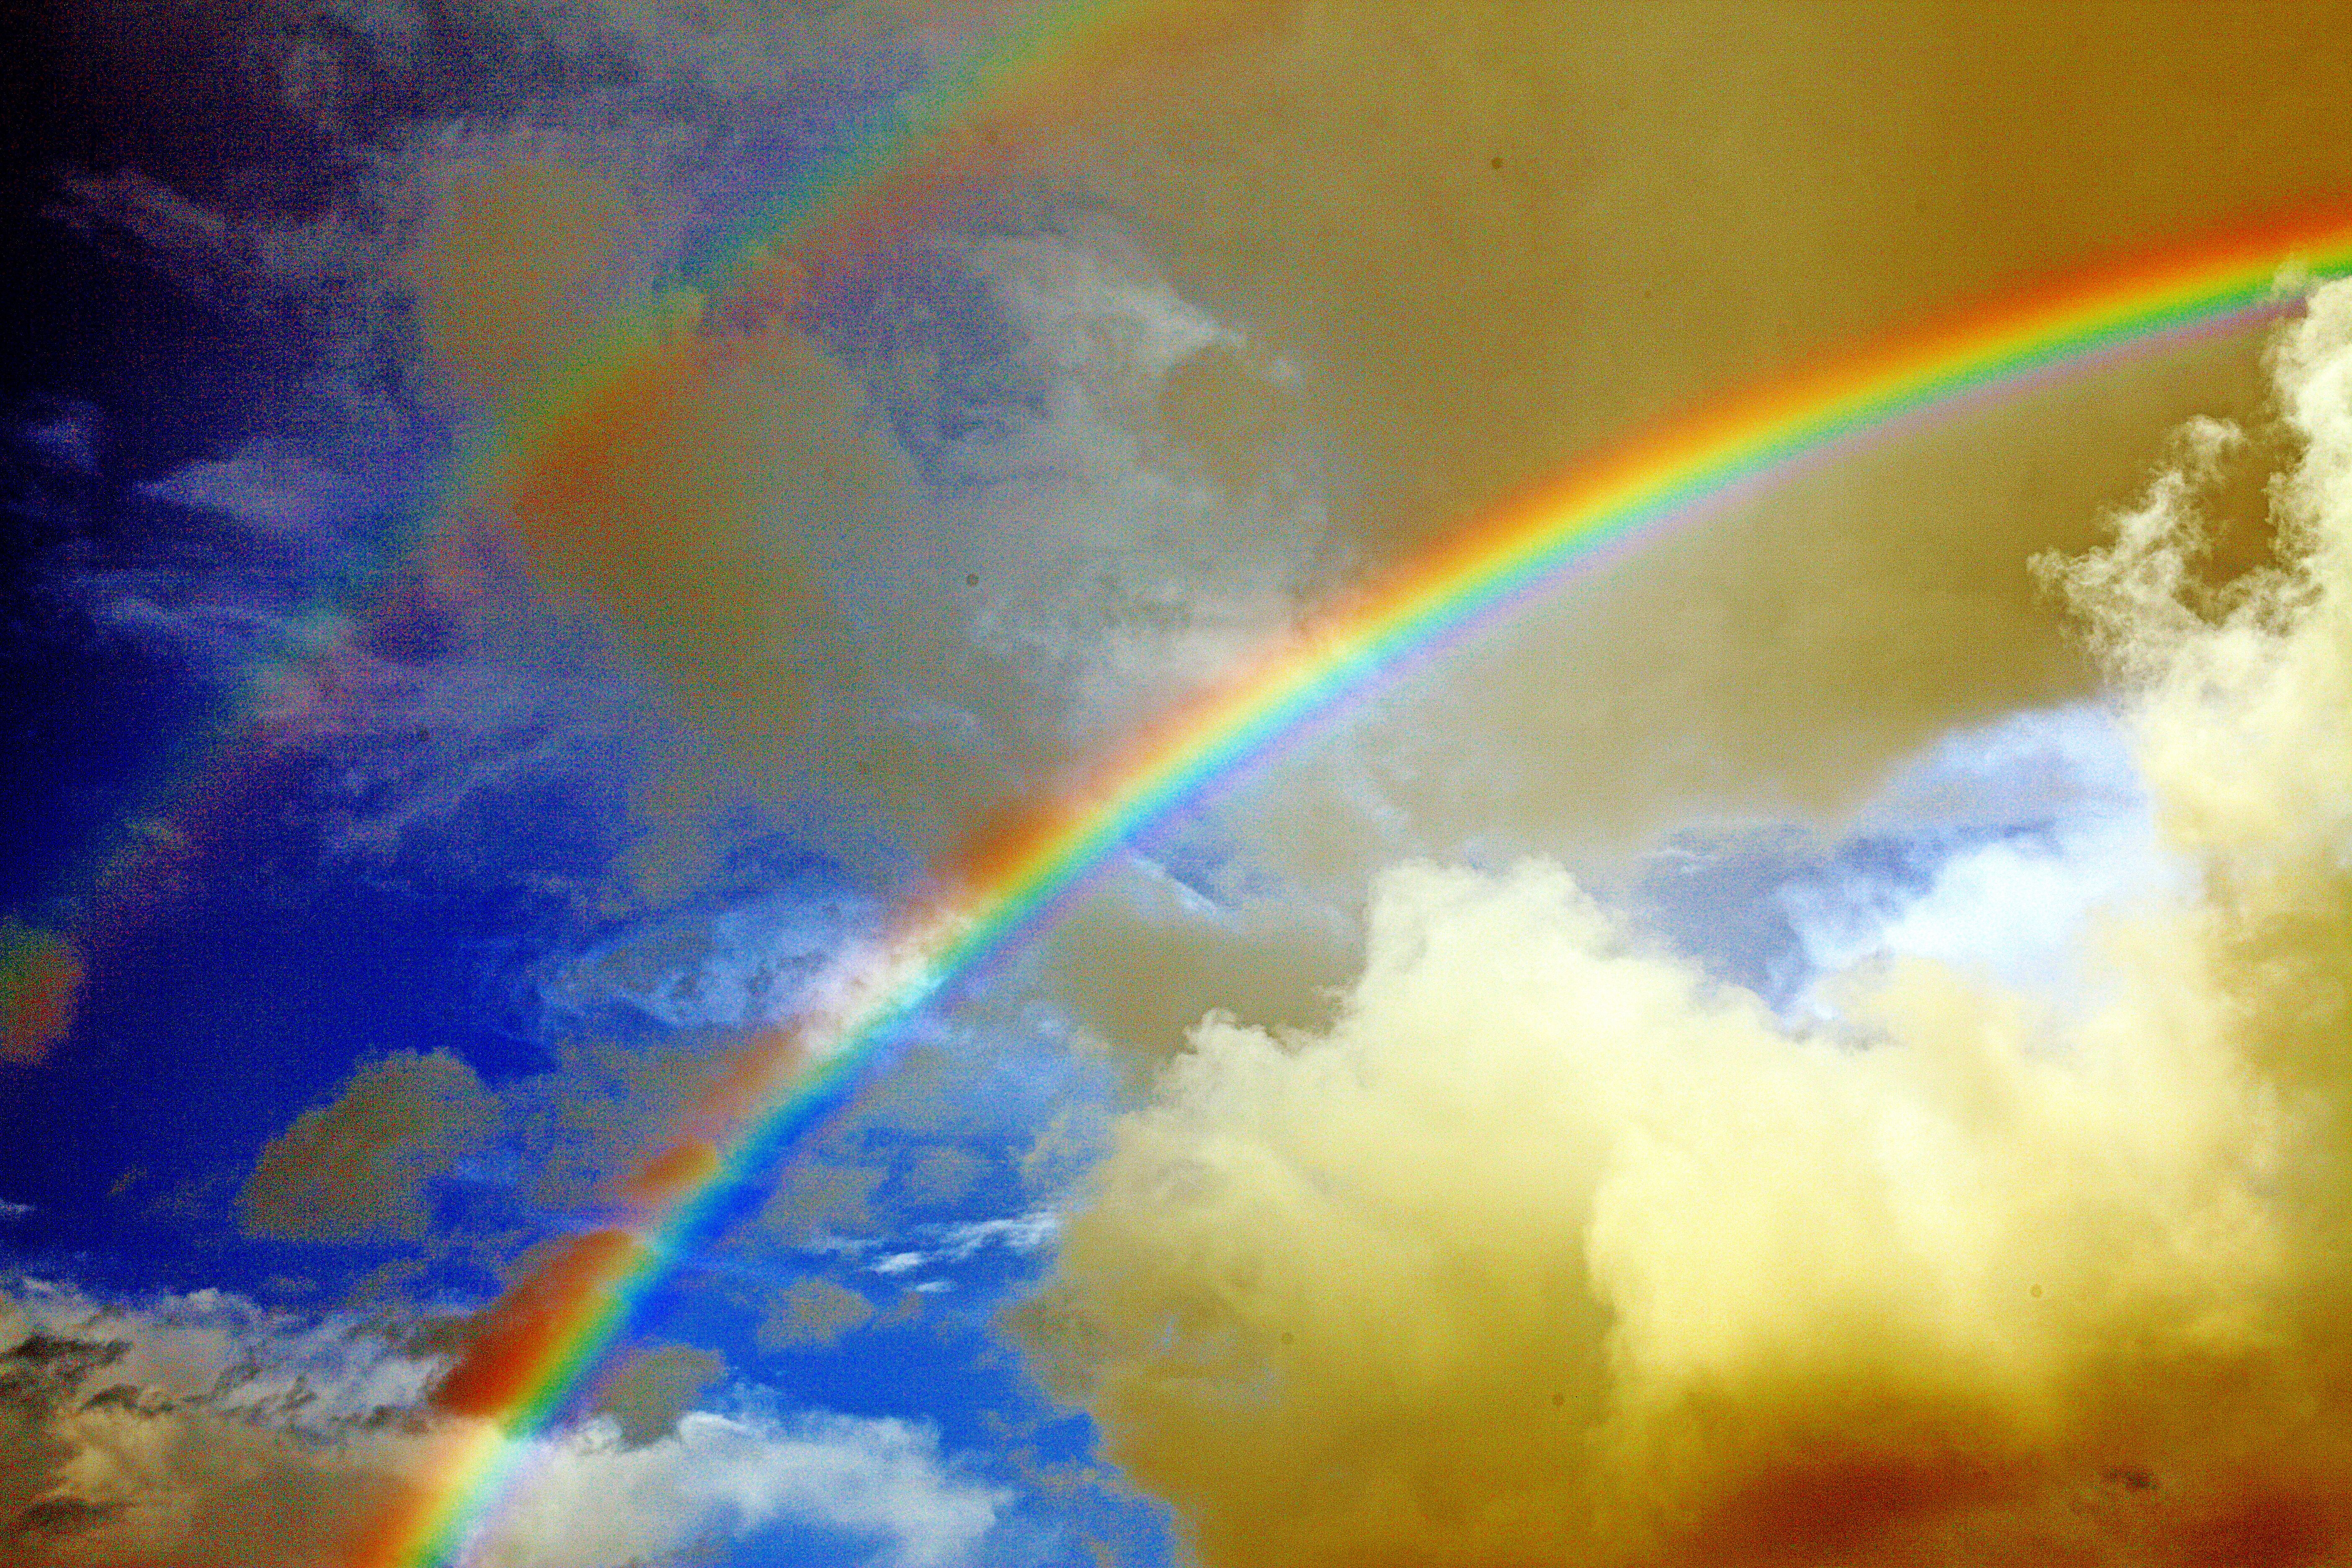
[[549, 1332]]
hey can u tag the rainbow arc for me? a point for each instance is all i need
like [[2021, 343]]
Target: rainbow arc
[[542, 1340]]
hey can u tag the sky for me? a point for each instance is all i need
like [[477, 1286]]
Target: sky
[[1815, 1040]]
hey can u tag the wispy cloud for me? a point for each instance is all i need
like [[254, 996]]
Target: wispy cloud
[[137, 1429]]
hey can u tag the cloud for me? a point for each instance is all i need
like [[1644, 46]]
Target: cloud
[[990, 498], [274, 489], [819, 1196], [1552, 1247], [1139, 962], [1020, 1233], [197, 1429], [739, 965], [2026, 769], [2013, 908], [902, 551], [1490, 240], [2013, 837], [523, 256], [192, 1430], [680, 505], [40, 985], [1051, 567], [811, 1312], [360, 1166], [229, 562], [929, 548], [937, 1245], [594, 1503], [1547, 1245], [893, 555], [650, 1389], [435, 219]]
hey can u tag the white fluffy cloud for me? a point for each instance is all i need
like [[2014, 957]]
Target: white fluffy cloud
[[593, 1503], [2035, 825]]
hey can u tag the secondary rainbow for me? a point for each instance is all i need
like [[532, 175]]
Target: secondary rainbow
[[546, 1335]]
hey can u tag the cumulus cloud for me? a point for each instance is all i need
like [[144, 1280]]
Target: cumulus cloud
[[361, 1165], [1552, 1247]]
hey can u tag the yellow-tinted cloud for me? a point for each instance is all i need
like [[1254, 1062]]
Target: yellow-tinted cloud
[[518, 263], [1142, 960], [1492, 234], [1547, 1249], [183, 1438]]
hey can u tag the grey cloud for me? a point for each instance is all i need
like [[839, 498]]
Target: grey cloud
[[811, 1312], [361, 1166]]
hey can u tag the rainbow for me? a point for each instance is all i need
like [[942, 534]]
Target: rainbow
[[546, 1335]]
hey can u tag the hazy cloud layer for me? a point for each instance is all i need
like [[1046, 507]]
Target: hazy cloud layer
[[1492, 234]]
